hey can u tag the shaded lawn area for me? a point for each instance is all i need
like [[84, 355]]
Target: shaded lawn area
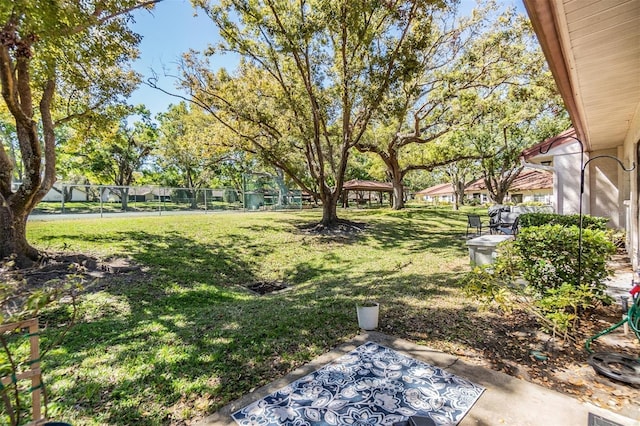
[[183, 336]]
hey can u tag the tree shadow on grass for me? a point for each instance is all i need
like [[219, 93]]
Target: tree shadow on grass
[[176, 348], [182, 259], [191, 341], [199, 348], [417, 230]]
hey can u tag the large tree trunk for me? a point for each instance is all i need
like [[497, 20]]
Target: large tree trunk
[[458, 194], [15, 207], [13, 238], [194, 200], [393, 167], [398, 194], [329, 210], [498, 197], [124, 200]]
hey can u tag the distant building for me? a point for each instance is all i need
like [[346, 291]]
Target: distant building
[[441, 193], [531, 186]]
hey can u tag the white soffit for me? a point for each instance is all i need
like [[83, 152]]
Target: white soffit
[[601, 41]]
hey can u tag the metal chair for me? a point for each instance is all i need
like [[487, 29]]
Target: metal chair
[[496, 212], [473, 221], [511, 229]]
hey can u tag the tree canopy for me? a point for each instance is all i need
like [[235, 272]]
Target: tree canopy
[[60, 62], [190, 145], [314, 74], [486, 68], [519, 104]]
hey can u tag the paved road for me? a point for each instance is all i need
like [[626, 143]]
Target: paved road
[[68, 216]]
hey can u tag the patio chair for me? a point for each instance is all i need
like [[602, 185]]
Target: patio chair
[[495, 214], [511, 229], [473, 221]]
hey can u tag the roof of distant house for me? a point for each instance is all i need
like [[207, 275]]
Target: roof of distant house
[[440, 189], [566, 137], [527, 180]]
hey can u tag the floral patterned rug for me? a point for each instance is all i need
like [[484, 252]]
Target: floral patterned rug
[[372, 385]]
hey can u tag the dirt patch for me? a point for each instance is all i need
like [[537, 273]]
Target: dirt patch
[[267, 287], [55, 270], [339, 228]]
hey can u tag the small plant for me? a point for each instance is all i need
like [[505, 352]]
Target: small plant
[[21, 306], [371, 298], [618, 237], [562, 305]]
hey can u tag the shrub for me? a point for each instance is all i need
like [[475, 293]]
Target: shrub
[[545, 259], [618, 237], [539, 219], [549, 256]]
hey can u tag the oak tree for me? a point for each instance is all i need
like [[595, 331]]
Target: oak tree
[[517, 104], [319, 70], [60, 61]]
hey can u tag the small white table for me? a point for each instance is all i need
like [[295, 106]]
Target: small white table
[[482, 250]]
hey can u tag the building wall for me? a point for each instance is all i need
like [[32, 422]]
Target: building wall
[[604, 183], [631, 156], [535, 196], [566, 179], [55, 195]]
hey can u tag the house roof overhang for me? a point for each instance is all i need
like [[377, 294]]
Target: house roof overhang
[[528, 180], [593, 51], [540, 149]]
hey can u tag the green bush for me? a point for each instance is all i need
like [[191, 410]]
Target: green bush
[[539, 272], [618, 237], [549, 256], [539, 219]]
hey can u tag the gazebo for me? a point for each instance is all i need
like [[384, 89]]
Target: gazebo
[[360, 187]]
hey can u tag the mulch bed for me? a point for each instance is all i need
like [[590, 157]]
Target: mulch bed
[[514, 344], [341, 227]]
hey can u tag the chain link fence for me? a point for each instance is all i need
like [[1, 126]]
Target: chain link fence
[[70, 198]]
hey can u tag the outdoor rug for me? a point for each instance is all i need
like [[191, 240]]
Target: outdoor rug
[[371, 385]]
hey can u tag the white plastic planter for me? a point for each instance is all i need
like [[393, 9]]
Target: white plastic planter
[[368, 316]]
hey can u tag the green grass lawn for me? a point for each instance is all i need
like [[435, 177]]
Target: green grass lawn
[[186, 337], [73, 207]]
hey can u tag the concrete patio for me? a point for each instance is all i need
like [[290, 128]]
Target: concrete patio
[[506, 400]]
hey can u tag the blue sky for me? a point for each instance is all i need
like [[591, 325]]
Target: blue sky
[[172, 29], [168, 31]]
